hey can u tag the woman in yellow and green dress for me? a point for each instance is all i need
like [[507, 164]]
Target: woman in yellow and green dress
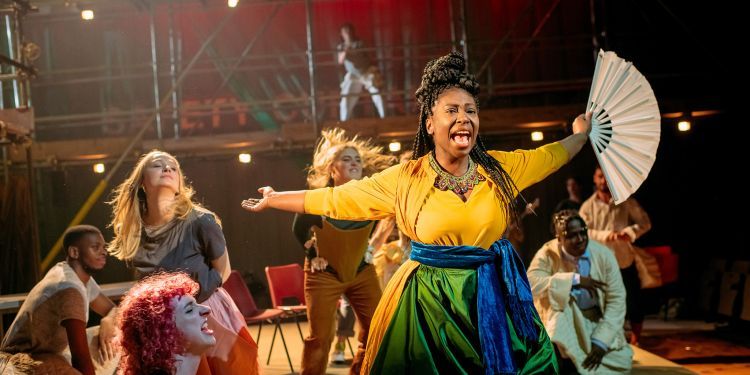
[[462, 303]]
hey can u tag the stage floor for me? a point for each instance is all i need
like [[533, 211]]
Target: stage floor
[[659, 338]]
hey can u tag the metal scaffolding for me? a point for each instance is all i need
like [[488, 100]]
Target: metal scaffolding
[[284, 95], [16, 114], [289, 102]]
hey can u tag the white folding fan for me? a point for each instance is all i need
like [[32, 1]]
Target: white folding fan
[[625, 125]]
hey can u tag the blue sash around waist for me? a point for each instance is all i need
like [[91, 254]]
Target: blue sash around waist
[[501, 284]]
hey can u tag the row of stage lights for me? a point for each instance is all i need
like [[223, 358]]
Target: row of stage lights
[[88, 14], [395, 146], [682, 126]]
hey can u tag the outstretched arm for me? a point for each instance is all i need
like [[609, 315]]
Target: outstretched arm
[[292, 201], [371, 198]]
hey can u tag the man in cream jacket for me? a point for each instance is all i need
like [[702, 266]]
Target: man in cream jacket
[[580, 296]]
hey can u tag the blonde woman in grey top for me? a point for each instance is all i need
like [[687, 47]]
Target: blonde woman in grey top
[[158, 227]]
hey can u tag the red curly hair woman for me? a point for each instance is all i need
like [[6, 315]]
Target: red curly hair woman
[[163, 330]]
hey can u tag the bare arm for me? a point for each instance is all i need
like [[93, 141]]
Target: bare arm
[[79, 348], [222, 266], [370, 198], [292, 201], [103, 306], [641, 223], [581, 128]]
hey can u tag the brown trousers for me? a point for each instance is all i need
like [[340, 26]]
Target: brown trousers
[[322, 291]]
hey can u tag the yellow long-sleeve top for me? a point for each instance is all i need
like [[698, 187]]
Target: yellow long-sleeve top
[[429, 215]]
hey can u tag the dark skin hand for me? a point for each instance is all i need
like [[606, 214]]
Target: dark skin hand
[[591, 284], [594, 359]]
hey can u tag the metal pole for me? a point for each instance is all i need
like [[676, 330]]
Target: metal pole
[[2, 89], [173, 73], [534, 34], [23, 93], [592, 19], [311, 66], [464, 43], [505, 38], [26, 84], [6, 170], [249, 47], [406, 38], [12, 55], [155, 70], [34, 226], [451, 15], [84, 210], [604, 34], [178, 92]]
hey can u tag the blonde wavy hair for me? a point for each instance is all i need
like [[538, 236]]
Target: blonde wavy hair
[[332, 143], [129, 206]]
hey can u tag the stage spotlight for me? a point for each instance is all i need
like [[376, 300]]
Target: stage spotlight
[[537, 136], [99, 168], [683, 126], [245, 158], [232, 3], [87, 14], [394, 146]]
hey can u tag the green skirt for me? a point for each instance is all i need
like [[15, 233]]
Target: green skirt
[[434, 330]]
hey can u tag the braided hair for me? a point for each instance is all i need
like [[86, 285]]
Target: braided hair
[[439, 75]]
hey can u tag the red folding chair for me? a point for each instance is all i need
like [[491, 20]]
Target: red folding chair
[[286, 283], [669, 268], [668, 262], [237, 289]]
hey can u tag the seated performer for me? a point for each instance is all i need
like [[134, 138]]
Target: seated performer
[[55, 313], [580, 297]]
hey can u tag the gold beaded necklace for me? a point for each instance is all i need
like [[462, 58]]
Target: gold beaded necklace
[[457, 184]]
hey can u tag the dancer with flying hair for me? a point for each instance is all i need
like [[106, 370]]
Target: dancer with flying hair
[[462, 303], [337, 261]]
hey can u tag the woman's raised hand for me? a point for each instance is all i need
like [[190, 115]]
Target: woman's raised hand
[[582, 123]]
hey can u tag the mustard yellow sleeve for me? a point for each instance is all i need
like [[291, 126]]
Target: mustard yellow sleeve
[[527, 167], [367, 199]]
